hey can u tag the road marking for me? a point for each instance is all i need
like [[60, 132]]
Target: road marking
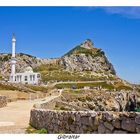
[[7, 123]]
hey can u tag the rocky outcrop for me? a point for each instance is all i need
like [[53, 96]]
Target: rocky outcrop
[[85, 122], [23, 61], [102, 100], [3, 101], [87, 58], [82, 62]]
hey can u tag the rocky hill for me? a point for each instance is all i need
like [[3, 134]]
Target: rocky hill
[[83, 63], [86, 57]]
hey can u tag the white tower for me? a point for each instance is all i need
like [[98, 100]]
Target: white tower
[[13, 59]]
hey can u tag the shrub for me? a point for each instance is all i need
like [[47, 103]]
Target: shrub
[[82, 85], [80, 50], [7, 87], [32, 130], [37, 88], [123, 87], [43, 131]]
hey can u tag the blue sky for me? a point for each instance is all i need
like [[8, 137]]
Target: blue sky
[[49, 32]]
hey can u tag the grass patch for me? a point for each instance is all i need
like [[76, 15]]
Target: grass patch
[[32, 130], [80, 50], [82, 85], [55, 72], [37, 88], [123, 87], [47, 67], [8, 87]]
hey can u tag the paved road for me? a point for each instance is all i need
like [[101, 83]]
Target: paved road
[[14, 118]]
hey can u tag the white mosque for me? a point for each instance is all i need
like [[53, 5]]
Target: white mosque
[[28, 76]]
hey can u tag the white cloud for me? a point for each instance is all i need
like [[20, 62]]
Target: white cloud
[[129, 12]]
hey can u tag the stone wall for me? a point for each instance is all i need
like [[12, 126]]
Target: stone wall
[[68, 106], [47, 104], [3, 101], [86, 122]]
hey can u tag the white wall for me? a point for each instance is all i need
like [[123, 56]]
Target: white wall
[[30, 80]]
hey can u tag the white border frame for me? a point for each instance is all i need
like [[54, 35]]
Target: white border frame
[[69, 2]]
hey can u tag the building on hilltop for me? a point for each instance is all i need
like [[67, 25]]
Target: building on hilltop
[[26, 77]]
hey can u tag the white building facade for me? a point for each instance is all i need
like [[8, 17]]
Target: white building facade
[[28, 76]]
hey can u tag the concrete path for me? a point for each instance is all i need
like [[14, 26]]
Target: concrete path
[[14, 118]]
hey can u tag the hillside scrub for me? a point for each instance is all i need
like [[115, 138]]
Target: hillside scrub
[[103, 85], [79, 50], [38, 88], [82, 85], [55, 72], [7, 87]]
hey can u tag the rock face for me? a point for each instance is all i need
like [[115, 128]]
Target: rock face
[[100, 101], [3, 101], [23, 61], [84, 122], [85, 57], [128, 124]]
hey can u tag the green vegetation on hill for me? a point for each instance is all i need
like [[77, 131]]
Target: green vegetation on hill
[[80, 50], [55, 72], [48, 67], [103, 85], [123, 87], [23, 54], [37, 88], [82, 85], [7, 87]]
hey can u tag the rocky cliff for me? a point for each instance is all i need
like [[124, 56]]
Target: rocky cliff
[[86, 57], [23, 61]]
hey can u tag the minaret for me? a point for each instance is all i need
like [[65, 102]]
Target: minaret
[[13, 60]]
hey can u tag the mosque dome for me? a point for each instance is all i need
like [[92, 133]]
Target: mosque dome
[[28, 69]]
